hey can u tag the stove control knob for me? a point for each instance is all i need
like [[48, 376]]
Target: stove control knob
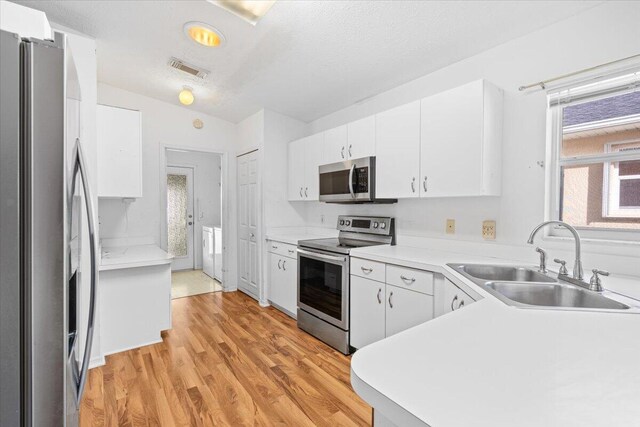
[[375, 224], [347, 223], [383, 225], [342, 222]]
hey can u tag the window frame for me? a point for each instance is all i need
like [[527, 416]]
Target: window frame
[[557, 99], [611, 186]]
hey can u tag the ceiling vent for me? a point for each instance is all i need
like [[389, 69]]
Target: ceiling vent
[[188, 68]]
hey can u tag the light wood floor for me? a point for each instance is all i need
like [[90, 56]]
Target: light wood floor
[[227, 361]]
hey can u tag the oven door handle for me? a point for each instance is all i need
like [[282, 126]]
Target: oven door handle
[[321, 256], [353, 168]]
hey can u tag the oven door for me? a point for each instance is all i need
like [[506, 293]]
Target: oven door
[[350, 181], [323, 286]]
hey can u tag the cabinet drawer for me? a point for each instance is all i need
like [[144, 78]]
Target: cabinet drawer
[[409, 278], [368, 269], [284, 249]]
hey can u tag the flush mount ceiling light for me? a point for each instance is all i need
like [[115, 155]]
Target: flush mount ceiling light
[[186, 96], [204, 34], [249, 10]]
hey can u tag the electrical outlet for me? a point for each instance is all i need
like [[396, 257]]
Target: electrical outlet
[[489, 230], [451, 226]]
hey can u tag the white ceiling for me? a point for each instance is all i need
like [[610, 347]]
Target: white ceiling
[[305, 59]]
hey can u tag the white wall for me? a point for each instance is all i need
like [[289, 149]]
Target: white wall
[[207, 169], [165, 124], [604, 33]]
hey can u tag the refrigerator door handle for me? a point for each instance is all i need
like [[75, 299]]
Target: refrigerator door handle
[[80, 167]]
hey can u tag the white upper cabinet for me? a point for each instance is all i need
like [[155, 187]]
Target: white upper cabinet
[[296, 170], [361, 138], [335, 145], [119, 152], [461, 142], [313, 159], [398, 152], [305, 156]]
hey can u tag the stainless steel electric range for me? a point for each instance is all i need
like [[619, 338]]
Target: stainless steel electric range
[[323, 276]]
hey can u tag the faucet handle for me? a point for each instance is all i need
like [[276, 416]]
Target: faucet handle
[[595, 284], [563, 266]]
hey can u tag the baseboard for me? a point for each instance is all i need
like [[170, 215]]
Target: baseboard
[[96, 362], [263, 303], [159, 340]]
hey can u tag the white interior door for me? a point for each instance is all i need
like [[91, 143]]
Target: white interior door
[[180, 217], [248, 232]]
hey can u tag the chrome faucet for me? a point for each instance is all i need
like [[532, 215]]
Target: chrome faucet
[[577, 267]]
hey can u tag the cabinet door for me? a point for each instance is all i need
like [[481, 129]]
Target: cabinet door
[[296, 170], [398, 152], [367, 311], [276, 289], [406, 308], [335, 144], [119, 139], [361, 138], [313, 159], [454, 298], [289, 278], [451, 142]]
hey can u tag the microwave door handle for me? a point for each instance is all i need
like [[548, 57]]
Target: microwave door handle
[[351, 171], [80, 167]]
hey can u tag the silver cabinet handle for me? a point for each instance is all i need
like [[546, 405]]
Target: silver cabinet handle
[[274, 247], [80, 167], [300, 191], [455, 298], [291, 251], [390, 302], [406, 279], [413, 185], [283, 265], [279, 267], [305, 191], [366, 270], [461, 304], [349, 150], [342, 152], [379, 299], [424, 184]]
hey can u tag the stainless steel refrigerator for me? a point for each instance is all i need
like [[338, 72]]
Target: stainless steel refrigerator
[[47, 245]]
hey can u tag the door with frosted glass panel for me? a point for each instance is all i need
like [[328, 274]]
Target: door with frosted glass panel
[[180, 217], [248, 251]]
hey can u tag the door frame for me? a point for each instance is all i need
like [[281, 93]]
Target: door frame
[[225, 222], [192, 169]]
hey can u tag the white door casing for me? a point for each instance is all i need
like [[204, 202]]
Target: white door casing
[[186, 260], [248, 229]]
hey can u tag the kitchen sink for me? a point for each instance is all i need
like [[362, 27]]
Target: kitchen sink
[[505, 273], [525, 287], [554, 295]]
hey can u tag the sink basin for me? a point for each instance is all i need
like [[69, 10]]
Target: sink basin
[[505, 273], [553, 295]]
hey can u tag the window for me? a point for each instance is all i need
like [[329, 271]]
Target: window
[[595, 164]]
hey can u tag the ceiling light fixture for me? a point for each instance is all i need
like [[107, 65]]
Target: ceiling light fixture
[[249, 10], [186, 96], [204, 34]]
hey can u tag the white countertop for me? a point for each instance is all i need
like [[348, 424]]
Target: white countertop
[[118, 257], [294, 238], [490, 364]]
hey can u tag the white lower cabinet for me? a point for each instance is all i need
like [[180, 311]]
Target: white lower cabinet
[[454, 297], [379, 309], [283, 273], [367, 311], [406, 309]]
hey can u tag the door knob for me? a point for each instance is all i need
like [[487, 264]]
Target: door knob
[[190, 223]]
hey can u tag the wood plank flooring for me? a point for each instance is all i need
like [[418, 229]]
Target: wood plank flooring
[[226, 362]]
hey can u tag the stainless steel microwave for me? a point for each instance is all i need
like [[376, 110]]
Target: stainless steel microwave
[[351, 181]]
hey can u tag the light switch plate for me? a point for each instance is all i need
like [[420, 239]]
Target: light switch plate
[[489, 230], [451, 226]]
